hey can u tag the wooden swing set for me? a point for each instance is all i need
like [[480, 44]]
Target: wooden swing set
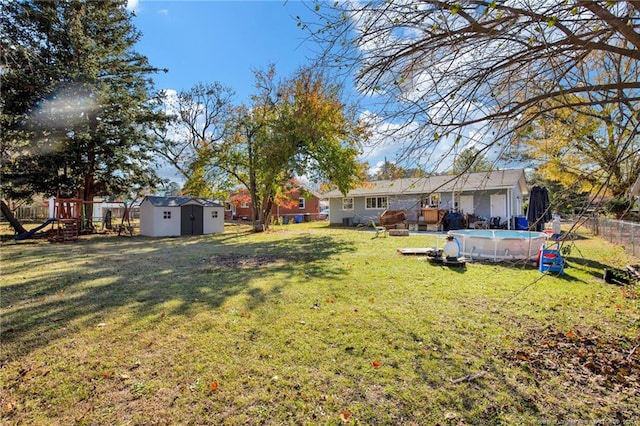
[[70, 221], [67, 213]]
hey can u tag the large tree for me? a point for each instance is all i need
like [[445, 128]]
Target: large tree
[[75, 101], [582, 149], [197, 120], [480, 72], [292, 128], [591, 144], [471, 160]]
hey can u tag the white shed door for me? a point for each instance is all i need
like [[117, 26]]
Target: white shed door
[[499, 205]]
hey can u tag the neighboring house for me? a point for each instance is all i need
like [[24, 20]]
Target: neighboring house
[[173, 216], [483, 194], [634, 194], [635, 189], [298, 201]]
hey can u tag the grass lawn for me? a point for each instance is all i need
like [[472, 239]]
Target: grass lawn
[[310, 324]]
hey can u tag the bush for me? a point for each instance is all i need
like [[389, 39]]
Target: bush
[[617, 206]]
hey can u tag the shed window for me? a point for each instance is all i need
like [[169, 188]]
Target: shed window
[[301, 203], [347, 204], [376, 203], [166, 215], [214, 214]]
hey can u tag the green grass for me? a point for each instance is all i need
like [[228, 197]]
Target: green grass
[[310, 324]]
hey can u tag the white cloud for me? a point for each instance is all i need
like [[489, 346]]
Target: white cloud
[[133, 5], [413, 145], [163, 12]]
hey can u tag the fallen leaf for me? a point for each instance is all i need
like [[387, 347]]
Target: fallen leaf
[[11, 406], [375, 364], [102, 324], [372, 299], [345, 416], [214, 386]]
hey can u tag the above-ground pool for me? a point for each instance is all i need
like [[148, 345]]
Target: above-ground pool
[[499, 244]]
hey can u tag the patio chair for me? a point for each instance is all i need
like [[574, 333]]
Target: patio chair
[[380, 230]]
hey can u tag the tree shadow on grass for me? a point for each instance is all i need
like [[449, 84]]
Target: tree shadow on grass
[[50, 291], [591, 267]]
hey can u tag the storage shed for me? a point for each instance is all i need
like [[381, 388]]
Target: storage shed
[[173, 216]]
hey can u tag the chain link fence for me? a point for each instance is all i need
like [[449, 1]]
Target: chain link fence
[[626, 234]]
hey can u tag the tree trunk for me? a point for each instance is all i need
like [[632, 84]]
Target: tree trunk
[[8, 214], [87, 205]]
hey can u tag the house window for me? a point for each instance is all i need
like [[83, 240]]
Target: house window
[[227, 207], [166, 215], [214, 214], [347, 204], [376, 203], [244, 205], [301, 203]]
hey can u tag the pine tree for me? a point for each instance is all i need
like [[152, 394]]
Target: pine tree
[[75, 100]]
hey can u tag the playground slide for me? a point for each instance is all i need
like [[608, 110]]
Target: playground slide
[[30, 233]]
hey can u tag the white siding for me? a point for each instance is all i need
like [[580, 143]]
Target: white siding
[[166, 227], [158, 225], [213, 225], [146, 219]]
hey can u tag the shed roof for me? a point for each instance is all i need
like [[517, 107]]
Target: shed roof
[[494, 180], [180, 201]]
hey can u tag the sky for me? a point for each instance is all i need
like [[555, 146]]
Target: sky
[[220, 41], [207, 41]]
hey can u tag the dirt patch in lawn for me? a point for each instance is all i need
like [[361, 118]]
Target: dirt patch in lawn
[[237, 261], [596, 364]]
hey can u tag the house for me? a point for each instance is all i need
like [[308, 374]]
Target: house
[[482, 194], [635, 189], [634, 195], [296, 204], [173, 216]]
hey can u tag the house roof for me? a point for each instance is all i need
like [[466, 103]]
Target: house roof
[[495, 180], [180, 201], [240, 192]]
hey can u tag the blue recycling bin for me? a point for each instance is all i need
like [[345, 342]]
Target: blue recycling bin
[[298, 218], [522, 224]]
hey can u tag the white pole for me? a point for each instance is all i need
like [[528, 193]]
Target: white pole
[[52, 207]]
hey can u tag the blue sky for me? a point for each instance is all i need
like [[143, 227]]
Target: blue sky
[[223, 41]]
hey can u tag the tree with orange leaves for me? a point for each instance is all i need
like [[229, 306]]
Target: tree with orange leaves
[[292, 128]]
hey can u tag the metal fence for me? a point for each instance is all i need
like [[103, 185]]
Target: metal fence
[[626, 234]]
